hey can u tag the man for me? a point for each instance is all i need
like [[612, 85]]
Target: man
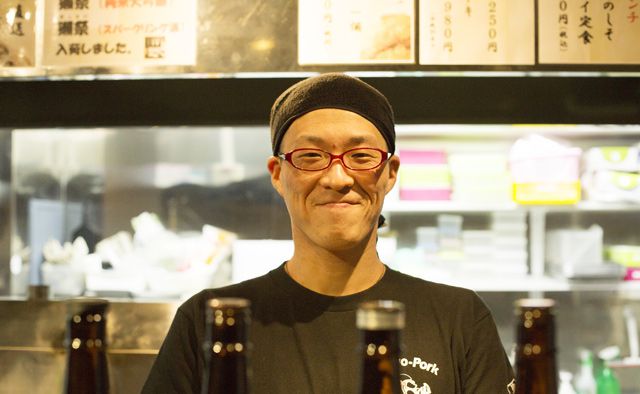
[[333, 140]]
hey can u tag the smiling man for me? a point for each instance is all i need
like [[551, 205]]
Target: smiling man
[[334, 200], [333, 140]]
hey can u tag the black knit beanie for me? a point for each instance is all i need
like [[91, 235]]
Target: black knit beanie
[[332, 90]]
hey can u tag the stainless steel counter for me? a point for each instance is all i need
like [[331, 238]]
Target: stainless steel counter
[[32, 355]]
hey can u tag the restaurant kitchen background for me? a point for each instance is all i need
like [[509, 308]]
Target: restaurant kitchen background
[[134, 138]]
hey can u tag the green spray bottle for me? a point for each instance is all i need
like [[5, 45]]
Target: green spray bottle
[[606, 381]]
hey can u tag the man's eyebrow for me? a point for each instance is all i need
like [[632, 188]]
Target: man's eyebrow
[[312, 138], [358, 140], [316, 139]]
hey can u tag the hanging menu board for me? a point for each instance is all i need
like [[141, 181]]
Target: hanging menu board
[[477, 32], [119, 32], [356, 31], [17, 33], [589, 32]]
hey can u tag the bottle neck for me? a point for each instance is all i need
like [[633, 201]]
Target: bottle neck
[[86, 351], [388, 339], [587, 367], [227, 370], [226, 349], [536, 368], [380, 362]]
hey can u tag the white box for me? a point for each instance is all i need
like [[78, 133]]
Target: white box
[[574, 252], [620, 158]]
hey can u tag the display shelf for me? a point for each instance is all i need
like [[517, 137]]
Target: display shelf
[[70, 73], [412, 207], [625, 363], [594, 206], [515, 130], [518, 283]]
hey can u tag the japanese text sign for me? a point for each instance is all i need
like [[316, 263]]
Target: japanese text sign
[[356, 31], [17, 33], [589, 31], [119, 32], [477, 32]]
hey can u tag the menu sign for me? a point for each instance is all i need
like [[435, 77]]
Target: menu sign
[[17, 33], [589, 32], [356, 31], [477, 32], [119, 32]]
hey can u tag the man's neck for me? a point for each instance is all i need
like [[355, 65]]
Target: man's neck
[[336, 273]]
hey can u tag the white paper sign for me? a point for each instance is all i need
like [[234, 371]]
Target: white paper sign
[[477, 32], [356, 31], [17, 33], [588, 32], [119, 32]]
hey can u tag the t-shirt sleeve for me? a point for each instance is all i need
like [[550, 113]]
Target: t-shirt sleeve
[[487, 366], [176, 368]]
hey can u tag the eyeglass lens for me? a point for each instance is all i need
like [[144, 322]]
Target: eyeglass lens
[[356, 159]]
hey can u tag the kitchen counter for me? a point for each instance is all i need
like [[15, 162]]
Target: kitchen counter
[[32, 353]]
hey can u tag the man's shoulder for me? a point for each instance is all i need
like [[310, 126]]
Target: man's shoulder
[[428, 298], [410, 283], [413, 289]]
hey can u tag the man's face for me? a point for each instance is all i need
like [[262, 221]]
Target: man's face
[[335, 208]]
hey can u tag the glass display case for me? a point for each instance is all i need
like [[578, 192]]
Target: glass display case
[[161, 208]]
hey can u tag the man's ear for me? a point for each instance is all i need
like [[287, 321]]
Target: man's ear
[[392, 167], [274, 165]]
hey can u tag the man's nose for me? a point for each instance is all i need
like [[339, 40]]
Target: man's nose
[[336, 176]]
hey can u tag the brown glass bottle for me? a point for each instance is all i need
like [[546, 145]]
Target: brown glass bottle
[[227, 347], [536, 368], [85, 340], [380, 323]]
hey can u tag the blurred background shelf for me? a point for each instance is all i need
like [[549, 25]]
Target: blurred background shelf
[[410, 207], [519, 283], [515, 130]]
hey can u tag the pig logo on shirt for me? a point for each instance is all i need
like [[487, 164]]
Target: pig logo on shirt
[[511, 387], [409, 386]]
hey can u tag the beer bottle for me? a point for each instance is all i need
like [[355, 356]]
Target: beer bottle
[[536, 368], [226, 347], [85, 341], [380, 323]]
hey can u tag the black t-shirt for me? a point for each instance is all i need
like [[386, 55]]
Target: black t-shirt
[[305, 342]]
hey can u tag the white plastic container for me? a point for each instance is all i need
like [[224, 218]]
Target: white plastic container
[[539, 159], [612, 186], [575, 246], [63, 279], [619, 158], [544, 171], [575, 253], [563, 167]]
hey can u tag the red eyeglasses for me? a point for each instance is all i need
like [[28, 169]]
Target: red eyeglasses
[[358, 159]]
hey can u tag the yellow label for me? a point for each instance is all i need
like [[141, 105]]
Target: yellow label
[[615, 154], [556, 193]]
